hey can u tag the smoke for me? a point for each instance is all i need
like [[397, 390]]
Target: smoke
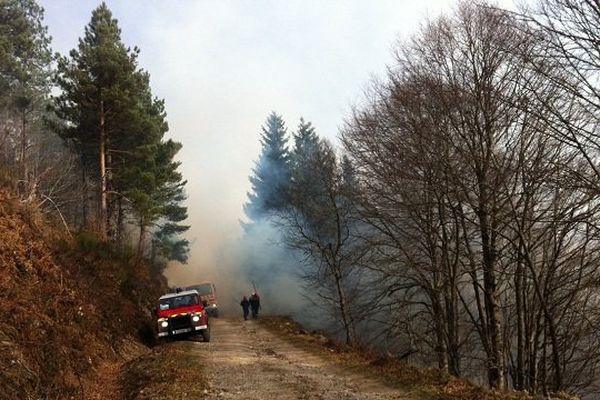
[[236, 263], [265, 261]]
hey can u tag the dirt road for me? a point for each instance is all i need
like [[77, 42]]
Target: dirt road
[[246, 361]]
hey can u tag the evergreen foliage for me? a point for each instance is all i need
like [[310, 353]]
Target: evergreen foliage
[[270, 181], [308, 148], [348, 173], [25, 54], [315, 193], [25, 71], [106, 96], [306, 142], [100, 71]]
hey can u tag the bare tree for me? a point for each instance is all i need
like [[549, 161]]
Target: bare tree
[[484, 210], [569, 31], [320, 226]]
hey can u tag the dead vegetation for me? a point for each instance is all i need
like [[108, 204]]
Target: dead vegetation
[[169, 372], [69, 307], [428, 383]]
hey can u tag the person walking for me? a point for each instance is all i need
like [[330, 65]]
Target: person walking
[[245, 307], [254, 304]]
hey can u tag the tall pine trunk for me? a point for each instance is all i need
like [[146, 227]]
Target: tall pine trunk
[[120, 219], [84, 195], [23, 167], [140, 247], [103, 178]]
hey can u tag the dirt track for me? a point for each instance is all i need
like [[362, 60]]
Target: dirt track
[[246, 361]]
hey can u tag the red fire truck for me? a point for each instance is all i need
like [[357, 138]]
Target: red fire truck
[[208, 296], [181, 314]]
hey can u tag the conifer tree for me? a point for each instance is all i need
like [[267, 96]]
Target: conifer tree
[[99, 81], [25, 59], [307, 145], [348, 177], [156, 200], [270, 181], [118, 127], [25, 53]]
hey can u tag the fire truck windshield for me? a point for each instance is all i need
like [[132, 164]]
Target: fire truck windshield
[[178, 301], [203, 289]]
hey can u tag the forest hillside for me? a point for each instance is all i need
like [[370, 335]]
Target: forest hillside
[[69, 305]]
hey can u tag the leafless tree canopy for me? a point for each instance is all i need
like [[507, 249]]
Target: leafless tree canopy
[[477, 168]]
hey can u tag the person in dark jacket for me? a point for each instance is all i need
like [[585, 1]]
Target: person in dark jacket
[[245, 307], [254, 304]]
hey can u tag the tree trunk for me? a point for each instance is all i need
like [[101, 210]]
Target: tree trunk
[[450, 296], [557, 386], [103, 178], [452, 323], [491, 295], [84, 195], [441, 349], [544, 365], [343, 305], [120, 218], [140, 247], [534, 370], [496, 356], [23, 167], [520, 373]]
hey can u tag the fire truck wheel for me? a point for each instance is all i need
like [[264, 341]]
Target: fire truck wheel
[[206, 334]]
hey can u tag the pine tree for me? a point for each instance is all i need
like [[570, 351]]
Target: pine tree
[[118, 127], [101, 88], [307, 145], [25, 59], [349, 181], [157, 202], [25, 53], [306, 142], [270, 181], [97, 83]]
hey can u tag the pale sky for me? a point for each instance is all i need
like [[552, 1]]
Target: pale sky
[[222, 66]]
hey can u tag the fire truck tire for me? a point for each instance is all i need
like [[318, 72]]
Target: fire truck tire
[[206, 334]]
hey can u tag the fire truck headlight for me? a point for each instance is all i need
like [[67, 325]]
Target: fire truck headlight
[[195, 318], [164, 324]]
